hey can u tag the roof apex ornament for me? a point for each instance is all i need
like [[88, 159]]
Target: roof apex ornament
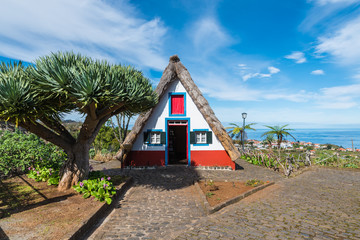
[[174, 58]]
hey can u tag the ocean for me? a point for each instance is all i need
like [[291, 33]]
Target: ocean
[[340, 137]]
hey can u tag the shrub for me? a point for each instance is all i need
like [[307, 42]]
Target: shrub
[[19, 151], [44, 174], [92, 153], [254, 182], [329, 158], [104, 157], [102, 189]]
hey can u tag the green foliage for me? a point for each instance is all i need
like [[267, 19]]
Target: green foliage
[[35, 97], [44, 174], [333, 159], [260, 159], [96, 174], [92, 153], [66, 81], [254, 182], [102, 189], [18, 151], [210, 194], [235, 131], [105, 141], [281, 132]]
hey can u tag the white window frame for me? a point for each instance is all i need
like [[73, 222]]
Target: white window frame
[[155, 137], [200, 137]]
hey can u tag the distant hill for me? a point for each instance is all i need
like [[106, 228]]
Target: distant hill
[[72, 126]]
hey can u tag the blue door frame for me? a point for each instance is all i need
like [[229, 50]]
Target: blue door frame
[[167, 142]]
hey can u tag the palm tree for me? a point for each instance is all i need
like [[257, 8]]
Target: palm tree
[[237, 132], [269, 139], [280, 131]]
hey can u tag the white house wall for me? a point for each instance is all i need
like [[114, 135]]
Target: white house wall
[[161, 111]]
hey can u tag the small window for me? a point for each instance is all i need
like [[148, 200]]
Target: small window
[[200, 137], [155, 138]]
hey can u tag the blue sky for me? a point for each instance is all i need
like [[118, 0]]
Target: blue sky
[[295, 62]]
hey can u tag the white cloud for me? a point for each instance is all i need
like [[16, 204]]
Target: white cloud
[[243, 66], [318, 72], [250, 75], [273, 70], [344, 44], [299, 57], [339, 97], [301, 96], [325, 2], [208, 35], [94, 28], [222, 88]]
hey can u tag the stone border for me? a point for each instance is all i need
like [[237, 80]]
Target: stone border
[[80, 231], [224, 168], [233, 200]]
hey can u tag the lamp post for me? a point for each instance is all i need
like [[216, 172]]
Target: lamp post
[[244, 115]]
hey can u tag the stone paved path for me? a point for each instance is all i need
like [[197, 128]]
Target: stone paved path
[[162, 204], [318, 204]]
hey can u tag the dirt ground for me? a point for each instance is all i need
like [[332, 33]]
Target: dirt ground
[[222, 191], [34, 210]]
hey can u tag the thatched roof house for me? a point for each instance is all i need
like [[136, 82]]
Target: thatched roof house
[[180, 128]]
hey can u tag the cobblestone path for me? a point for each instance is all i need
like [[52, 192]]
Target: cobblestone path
[[162, 204], [318, 204]]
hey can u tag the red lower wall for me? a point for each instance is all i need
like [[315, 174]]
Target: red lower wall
[[145, 158], [211, 158], [198, 158]]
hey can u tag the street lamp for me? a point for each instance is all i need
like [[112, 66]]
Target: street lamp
[[244, 115]]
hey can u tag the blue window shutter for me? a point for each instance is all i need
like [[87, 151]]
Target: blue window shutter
[[163, 138], [209, 137], [192, 138], [147, 137]]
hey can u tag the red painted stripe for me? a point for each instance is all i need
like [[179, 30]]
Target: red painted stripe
[[145, 158], [211, 158], [198, 158]]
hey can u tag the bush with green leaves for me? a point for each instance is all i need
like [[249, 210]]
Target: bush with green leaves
[[254, 182], [334, 159], [260, 159], [44, 174], [19, 151], [102, 189]]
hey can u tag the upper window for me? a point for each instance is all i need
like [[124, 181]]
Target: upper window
[[177, 104]]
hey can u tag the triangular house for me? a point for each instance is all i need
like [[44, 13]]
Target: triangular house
[[180, 129]]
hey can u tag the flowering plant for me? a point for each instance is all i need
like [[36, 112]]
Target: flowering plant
[[44, 174], [102, 189], [254, 182]]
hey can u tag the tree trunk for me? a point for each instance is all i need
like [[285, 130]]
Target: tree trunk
[[76, 167]]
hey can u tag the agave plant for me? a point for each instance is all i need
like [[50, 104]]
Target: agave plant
[[35, 98]]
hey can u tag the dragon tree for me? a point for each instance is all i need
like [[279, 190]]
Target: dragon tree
[[35, 97]]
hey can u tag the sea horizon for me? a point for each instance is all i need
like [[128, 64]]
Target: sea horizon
[[344, 137]]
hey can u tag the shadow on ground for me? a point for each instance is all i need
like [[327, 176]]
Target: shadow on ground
[[180, 176], [21, 197]]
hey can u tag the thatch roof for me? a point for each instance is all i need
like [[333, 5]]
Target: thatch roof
[[176, 71]]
